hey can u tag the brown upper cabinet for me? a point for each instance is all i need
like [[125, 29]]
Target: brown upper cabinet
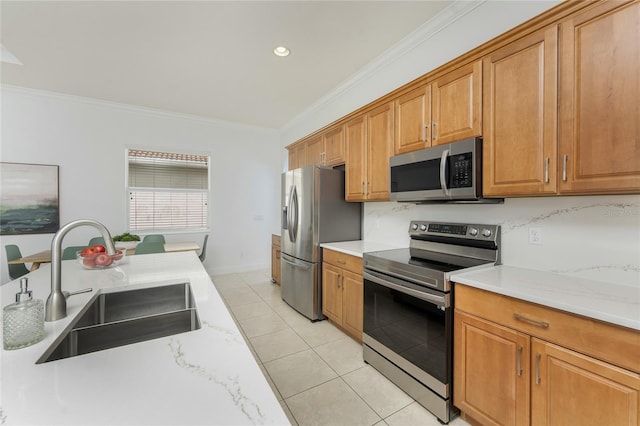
[[326, 149], [297, 156], [334, 146], [315, 151], [448, 108], [369, 141], [520, 127], [556, 101], [600, 99], [595, 111]]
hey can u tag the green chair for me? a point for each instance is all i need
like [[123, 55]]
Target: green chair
[[203, 253], [153, 238], [70, 252], [148, 248], [17, 270], [96, 240]]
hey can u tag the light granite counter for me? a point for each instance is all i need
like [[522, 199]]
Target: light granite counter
[[612, 303], [357, 247], [206, 376]]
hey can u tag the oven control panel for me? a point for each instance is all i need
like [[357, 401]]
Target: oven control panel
[[419, 228]]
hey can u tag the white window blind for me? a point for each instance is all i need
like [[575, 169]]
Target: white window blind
[[167, 191]]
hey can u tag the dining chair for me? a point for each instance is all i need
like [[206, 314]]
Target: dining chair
[[17, 270], [70, 252], [154, 238], [148, 248], [203, 253], [96, 240]]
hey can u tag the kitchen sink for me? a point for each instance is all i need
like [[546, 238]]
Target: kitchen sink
[[126, 317]]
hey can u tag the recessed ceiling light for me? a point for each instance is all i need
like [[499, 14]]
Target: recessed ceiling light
[[281, 51]]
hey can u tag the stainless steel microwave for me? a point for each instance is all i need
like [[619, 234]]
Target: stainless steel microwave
[[444, 173]]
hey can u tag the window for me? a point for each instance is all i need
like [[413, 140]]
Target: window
[[167, 191]]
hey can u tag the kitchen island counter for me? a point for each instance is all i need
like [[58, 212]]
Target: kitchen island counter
[[206, 376]]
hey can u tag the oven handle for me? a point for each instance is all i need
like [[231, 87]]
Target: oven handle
[[395, 284]]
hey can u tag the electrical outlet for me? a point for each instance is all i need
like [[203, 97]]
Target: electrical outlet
[[535, 236]]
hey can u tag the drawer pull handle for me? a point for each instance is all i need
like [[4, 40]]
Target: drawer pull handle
[[342, 262], [530, 321], [519, 362]]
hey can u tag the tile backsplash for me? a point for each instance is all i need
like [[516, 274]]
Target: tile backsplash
[[595, 237]]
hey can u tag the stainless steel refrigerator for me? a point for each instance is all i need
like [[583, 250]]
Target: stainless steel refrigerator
[[313, 212]]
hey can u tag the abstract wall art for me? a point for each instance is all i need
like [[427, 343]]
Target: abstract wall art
[[29, 199]]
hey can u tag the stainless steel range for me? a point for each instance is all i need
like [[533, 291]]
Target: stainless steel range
[[408, 307]]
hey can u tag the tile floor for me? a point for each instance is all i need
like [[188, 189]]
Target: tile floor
[[316, 371]]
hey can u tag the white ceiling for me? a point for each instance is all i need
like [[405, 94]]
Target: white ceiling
[[207, 58]]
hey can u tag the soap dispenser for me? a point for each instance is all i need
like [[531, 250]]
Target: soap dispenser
[[23, 321]]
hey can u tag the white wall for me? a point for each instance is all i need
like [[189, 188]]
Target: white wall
[[87, 139], [593, 237]]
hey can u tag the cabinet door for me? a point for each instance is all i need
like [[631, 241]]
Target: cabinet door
[[332, 292], [353, 303], [315, 150], [356, 159], [297, 156], [520, 117], [600, 100], [379, 150], [491, 371], [457, 105], [413, 120], [573, 389], [293, 158], [334, 146]]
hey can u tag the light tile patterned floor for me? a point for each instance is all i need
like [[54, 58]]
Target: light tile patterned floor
[[315, 370]]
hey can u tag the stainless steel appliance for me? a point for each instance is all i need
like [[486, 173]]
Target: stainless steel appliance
[[444, 173], [313, 212], [408, 306]]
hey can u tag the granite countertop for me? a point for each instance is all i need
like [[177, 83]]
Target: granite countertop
[[609, 302], [358, 247], [206, 376]]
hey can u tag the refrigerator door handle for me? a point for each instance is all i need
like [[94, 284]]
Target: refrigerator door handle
[[293, 214], [292, 262]]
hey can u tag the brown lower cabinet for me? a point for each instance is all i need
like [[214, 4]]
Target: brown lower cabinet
[[342, 291], [518, 363], [275, 258]]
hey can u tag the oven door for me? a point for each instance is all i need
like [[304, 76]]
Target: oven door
[[411, 326]]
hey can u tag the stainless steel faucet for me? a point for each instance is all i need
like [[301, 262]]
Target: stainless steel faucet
[[56, 306]]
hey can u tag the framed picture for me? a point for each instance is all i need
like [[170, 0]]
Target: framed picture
[[29, 199]]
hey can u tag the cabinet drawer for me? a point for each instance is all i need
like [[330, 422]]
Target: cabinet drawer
[[275, 239], [342, 260], [608, 342]]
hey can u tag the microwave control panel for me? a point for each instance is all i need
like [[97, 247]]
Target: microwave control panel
[[461, 166]]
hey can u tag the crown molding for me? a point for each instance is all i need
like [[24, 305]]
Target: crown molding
[[452, 13]]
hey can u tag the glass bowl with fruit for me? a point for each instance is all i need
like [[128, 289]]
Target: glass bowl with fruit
[[96, 257]]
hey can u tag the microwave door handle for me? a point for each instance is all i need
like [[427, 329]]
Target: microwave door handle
[[443, 170]]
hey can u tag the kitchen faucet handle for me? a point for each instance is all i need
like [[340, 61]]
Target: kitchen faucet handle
[[84, 290]]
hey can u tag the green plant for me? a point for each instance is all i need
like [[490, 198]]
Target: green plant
[[126, 237]]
